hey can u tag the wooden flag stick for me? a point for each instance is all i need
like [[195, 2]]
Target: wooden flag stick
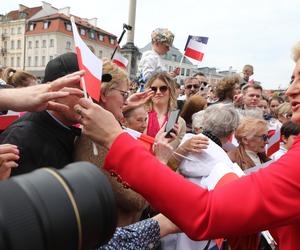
[[181, 61], [95, 150]]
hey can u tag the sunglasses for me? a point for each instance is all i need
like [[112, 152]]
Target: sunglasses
[[125, 94], [161, 89], [190, 86], [264, 137]]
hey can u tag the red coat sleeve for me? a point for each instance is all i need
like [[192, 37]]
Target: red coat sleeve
[[266, 199]]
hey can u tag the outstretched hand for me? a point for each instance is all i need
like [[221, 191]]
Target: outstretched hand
[[137, 99], [194, 144], [98, 124], [42, 96], [9, 154]]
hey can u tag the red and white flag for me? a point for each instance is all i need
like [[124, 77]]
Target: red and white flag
[[274, 142], [8, 119], [120, 60], [90, 63], [194, 50], [146, 140]]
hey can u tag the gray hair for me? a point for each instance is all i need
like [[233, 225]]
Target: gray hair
[[220, 119], [198, 120]]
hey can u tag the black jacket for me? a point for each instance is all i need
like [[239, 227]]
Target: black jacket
[[42, 142]]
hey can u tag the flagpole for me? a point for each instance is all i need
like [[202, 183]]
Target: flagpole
[[83, 84], [181, 61], [95, 150]]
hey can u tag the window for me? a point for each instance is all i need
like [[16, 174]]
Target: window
[[174, 57], [19, 44], [12, 62], [50, 58], [36, 61], [68, 26], [19, 30], [100, 53], [12, 44], [29, 61], [18, 62], [46, 25], [37, 43], [51, 43], [112, 41], [44, 44], [101, 37], [12, 31], [5, 61], [31, 26], [182, 71], [29, 44], [187, 73], [5, 45], [92, 35], [43, 61], [82, 32], [68, 45]]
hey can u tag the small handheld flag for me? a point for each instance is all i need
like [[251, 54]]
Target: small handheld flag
[[120, 60], [195, 46], [91, 81]]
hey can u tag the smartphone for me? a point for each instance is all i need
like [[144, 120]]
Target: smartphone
[[173, 118]]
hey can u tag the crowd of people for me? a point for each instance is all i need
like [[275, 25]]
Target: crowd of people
[[189, 191]]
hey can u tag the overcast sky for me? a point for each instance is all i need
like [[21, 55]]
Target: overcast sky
[[257, 32]]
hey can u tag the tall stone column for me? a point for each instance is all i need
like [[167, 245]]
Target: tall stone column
[[129, 50], [131, 21]]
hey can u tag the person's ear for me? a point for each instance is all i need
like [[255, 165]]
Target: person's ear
[[123, 121], [284, 139], [103, 97], [245, 140]]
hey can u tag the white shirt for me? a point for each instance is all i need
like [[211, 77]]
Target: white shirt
[[151, 63]]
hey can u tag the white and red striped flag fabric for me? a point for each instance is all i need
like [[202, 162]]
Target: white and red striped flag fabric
[[274, 142], [90, 63], [120, 60], [195, 47], [146, 140], [7, 119]]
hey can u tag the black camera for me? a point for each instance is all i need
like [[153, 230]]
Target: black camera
[[68, 209]]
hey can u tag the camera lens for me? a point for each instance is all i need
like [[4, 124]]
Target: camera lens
[[72, 208]]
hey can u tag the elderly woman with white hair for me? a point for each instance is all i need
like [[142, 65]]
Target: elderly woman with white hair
[[196, 159], [252, 135]]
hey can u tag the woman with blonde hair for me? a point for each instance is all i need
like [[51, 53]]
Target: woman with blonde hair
[[18, 78], [252, 135], [284, 112], [161, 104]]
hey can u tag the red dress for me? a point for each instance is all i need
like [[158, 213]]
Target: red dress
[[268, 199]]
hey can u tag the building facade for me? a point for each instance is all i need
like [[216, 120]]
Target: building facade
[[44, 34]]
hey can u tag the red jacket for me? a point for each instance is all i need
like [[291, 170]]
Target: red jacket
[[268, 199]]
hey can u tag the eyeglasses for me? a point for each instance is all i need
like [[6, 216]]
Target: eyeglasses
[[125, 94], [190, 86], [162, 89], [264, 137]]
